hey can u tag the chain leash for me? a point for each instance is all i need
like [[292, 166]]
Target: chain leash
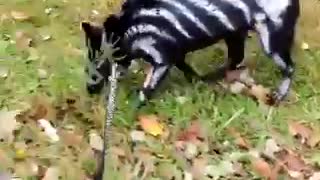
[[108, 48]]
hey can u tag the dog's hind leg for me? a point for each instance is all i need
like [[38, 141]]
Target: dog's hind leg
[[236, 47]]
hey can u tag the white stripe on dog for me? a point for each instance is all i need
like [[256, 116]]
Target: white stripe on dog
[[274, 9], [262, 30], [213, 10], [157, 75], [161, 12], [189, 14], [147, 45], [148, 28]]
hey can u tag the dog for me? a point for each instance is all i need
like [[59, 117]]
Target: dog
[[162, 32]]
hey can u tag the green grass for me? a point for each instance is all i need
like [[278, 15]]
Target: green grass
[[62, 57]]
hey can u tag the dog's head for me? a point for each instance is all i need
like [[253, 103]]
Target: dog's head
[[95, 36]]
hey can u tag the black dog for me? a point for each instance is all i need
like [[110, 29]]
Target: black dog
[[162, 31]]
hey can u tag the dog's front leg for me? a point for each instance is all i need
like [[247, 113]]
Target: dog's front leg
[[155, 76]]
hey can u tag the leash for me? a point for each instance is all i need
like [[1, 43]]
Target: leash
[[108, 49]]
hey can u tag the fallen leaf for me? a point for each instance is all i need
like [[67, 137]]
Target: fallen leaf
[[95, 141], [239, 140], [275, 172], [262, 167], [20, 16], [70, 138], [271, 148], [314, 139], [137, 136], [259, 92], [315, 176], [150, 124], [52, 173], [220, 170], [198, 167], [293, 163], [190, 150], [237, 87], [188, 175], [42, 108], [300, 130], [295, 174], [23, 41], [8, 124], [192, 133], [49, 130]]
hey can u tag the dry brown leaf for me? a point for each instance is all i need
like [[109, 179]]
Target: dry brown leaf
[[42, 108], [294, 162], [70, 138], [23, 40], [275, 172], [20, 16], [314, 139], [262, 167], [192, 133], [198, 167], [300, 130], [150, 124], [239, 140], [259, 92]]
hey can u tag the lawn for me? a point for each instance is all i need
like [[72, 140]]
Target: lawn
[[206, 132]]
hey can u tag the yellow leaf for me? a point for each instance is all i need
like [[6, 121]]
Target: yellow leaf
[[150, 124]]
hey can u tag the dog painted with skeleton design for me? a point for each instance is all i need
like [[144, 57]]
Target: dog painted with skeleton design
[[162, 32]]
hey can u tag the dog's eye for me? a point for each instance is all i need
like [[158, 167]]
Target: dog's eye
[[94, 77]]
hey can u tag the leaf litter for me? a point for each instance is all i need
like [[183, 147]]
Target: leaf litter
[[148, 150]]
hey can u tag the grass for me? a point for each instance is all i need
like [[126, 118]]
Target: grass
[[62, 57]]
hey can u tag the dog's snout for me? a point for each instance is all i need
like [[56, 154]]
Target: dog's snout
[[94, 88]]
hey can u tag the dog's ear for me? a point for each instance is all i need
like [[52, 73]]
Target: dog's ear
[[86, 27], [91, 30], [112, 22]]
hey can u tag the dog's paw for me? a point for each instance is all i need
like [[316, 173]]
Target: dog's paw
[[276, 98]]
